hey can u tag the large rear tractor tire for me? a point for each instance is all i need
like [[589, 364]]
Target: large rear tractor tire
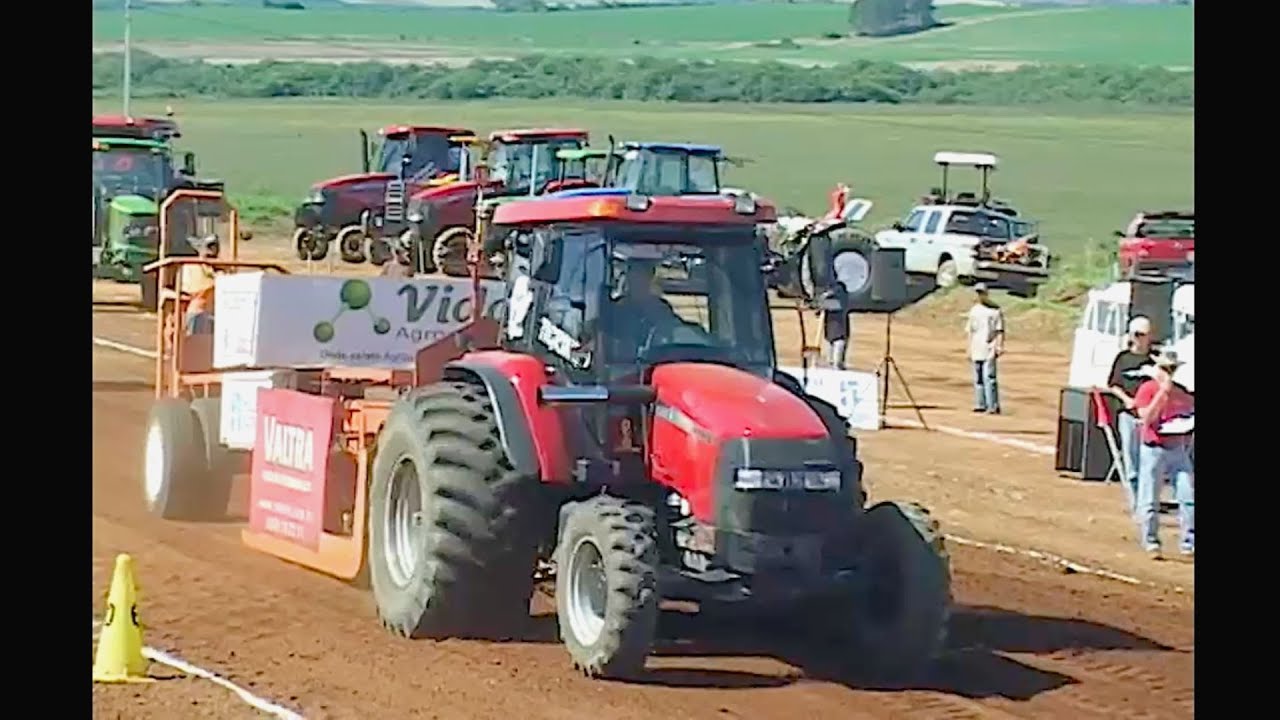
[[607, 586], [176, 470], [449, 251], [351, 242], [452, 524], [903, 603]]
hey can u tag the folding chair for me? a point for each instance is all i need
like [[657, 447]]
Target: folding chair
[[1119, 463]]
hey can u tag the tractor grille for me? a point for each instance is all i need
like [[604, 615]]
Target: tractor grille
[[394, 205]]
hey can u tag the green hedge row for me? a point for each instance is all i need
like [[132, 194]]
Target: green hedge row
[[651, 79]]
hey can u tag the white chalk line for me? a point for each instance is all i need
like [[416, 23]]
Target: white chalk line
[[173, 661], [958, 432]]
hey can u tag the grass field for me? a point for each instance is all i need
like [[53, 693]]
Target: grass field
[[1082, 176], [1156, 35]]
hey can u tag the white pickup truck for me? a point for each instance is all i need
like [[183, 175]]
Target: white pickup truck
[[967, 238]]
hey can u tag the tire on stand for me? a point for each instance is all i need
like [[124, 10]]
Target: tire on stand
[[903, 604], [607, 585], [176, 466], [449, 251], [452, 524], [851, 267], [351, 243]]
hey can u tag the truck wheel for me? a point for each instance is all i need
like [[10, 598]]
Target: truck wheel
[[607, 586], [452, 524], [904, 598], [449, 251], [176, 468], [217, 486], [948, 274], [351, 244], [150, 286]]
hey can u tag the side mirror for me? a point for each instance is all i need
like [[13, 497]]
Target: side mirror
[[364, 151], [545, 263], [189, 163], [897, 225]]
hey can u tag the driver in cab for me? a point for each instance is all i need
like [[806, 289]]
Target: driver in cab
[[642, 316]]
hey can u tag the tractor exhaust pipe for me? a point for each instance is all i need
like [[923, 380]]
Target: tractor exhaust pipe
[[364, 152]]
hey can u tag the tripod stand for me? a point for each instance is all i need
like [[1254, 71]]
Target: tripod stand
[[887, 363]]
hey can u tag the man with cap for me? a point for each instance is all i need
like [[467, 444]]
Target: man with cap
[[1166, 414], [197, 285], [985, 330], [1123, 382]]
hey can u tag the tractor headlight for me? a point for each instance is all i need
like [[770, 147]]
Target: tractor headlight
[[753, 479], [414, 217], [744, 204], [315, 197]]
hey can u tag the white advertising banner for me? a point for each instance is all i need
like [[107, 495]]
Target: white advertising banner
[[855, 394], [297, 321]]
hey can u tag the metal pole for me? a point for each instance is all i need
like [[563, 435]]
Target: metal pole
[[128, 54]]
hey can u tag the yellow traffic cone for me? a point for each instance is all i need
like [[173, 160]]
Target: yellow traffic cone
[[119, 655]]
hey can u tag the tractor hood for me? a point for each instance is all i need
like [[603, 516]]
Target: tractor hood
[[444, 192], [134, 205], [723, 403], [343, 182]]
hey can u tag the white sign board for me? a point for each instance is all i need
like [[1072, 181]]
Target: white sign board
[[295, 321], [855, 394], [240, 403]]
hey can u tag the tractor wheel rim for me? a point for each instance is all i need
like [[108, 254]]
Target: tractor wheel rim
[[153, 469], [588, 592], [402, 534], [852, 270]]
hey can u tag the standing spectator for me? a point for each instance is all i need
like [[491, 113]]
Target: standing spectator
[[1166, 412], [1123, 382], [985, 329], [835, 325]]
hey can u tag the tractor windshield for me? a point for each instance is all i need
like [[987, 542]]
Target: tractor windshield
[[429, 155], [514, 163], [669, 172], [669, 298], [131, 170]]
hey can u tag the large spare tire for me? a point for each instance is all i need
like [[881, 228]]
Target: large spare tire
[[851, 254]]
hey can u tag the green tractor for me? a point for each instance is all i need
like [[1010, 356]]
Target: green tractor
[[131, 177]]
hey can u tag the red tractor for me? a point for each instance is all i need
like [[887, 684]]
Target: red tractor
[[346, 208], [638, 439], [1162, 243], [144, 128], [516, 162]]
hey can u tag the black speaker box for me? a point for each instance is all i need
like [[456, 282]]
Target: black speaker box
[[889, 276], [1153, 299], [1081, 445]]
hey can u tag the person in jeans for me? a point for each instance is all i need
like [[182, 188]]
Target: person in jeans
[[1166, 414], [835, 325], [985, 329], [1123, 382]]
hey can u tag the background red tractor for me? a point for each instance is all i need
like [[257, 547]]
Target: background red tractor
[[517, 162], [343, 209], [1161, 243], [640, 438]]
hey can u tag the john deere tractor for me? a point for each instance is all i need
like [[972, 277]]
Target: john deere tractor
[[131, 177]]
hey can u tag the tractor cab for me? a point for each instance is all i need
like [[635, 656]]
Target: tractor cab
[[652, 168], [414, 153], [581, 168], [524, 161], [602, 288]]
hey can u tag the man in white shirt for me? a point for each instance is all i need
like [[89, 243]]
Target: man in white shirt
[[985, 329]]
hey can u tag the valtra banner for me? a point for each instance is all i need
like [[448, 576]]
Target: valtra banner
[[290, 465]]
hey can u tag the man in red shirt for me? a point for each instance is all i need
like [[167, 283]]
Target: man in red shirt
[[1166, 416]]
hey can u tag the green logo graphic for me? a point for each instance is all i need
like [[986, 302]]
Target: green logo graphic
[[355, 295]]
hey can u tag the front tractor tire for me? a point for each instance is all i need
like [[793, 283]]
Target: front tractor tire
[[183, 478], [606, 586], [309, 244], [903, 603], [449, 251], [351, 242], [452, 531]]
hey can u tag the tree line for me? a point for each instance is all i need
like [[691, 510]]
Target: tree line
[[650, 79]]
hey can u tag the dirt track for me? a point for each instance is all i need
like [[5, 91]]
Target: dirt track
[[1027, 640]]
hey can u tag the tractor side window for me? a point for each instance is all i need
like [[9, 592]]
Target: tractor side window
[[931, 225], [913, 221], [702, 175], [573, 303]]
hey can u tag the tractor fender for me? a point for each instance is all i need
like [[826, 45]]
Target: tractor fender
[[531, 434]]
